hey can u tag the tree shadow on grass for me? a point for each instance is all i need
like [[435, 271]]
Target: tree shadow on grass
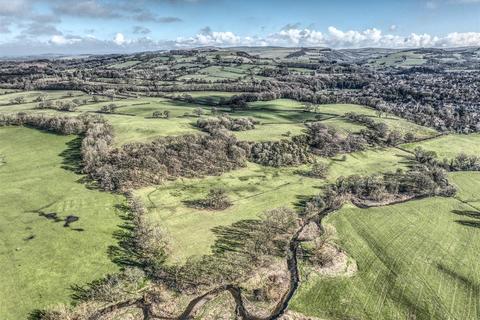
[[246, 238], [124, 253], [469, 214], [301, 202], [407, 159], [72, 161], [232, 238], [72, 158], [36, 314]]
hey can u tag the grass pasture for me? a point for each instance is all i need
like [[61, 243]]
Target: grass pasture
[[449, 146], [214, 73], [415, 261], [40, 257], [125, 65], [270, 132], [138, 129], [402, 58], [253, 190], [132, 120], [468, 186]]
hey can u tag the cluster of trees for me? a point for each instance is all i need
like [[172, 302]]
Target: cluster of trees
[[319, 170], [378, 132], [225, 122], [328, 142], [61, 105], [461, 162], [464, 162], [109, 108], [139, 164], [57, 124], [319, 139], [217, 199], [150, 241], [17, 100], [161, 114], [281, 153], [420, 181]]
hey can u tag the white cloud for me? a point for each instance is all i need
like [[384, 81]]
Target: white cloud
[[334, 38], [59, 40], [466, 39], [298, 37], [212, 38], [292, 37], [18, 7], [119, 39]]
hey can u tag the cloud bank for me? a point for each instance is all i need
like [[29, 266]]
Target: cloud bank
[[290, 37], [333, 38]]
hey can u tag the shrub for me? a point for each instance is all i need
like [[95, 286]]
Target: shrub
[[216, 199], [319, 170]]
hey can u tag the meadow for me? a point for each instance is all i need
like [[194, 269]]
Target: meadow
[[42, 258], [278, 119], [409, 255], [416, 260], [457, 143], [252, 190]]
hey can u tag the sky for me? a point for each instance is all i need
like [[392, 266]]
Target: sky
[[32, 27]]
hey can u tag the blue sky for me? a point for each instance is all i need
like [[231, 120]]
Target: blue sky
[[100, 26]]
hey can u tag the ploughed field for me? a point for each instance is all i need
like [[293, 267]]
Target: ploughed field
[[418, 257]]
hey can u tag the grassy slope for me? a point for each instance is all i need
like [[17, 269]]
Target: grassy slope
[[457, 143], [284, 115], [38, 272], [253, 190], [277, 118], [418, 258], [468, 186]]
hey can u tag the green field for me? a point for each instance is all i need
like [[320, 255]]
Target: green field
[[253, 190], [124, 65], [468, 184], [417, 260], [138, 129], [215, 73], [457, 143], [284, 111], [41, 258], [403, 58], [132, 120]]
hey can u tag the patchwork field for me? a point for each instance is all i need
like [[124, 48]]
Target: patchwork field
[[404, 59], [410, 256], [41, 257], [132, 119]]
